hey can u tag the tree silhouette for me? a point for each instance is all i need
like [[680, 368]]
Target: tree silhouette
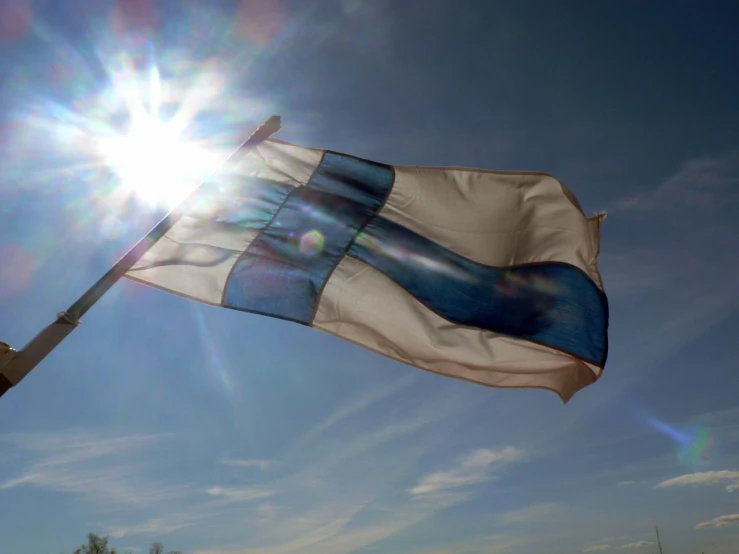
[[100, 545], [95, 545], [157, 548]]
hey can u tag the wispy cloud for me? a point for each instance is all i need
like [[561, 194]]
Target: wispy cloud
[[339, 535], [664, 326], [240, 494], [636, 545], [530, 514], [338, 491], [333, 455], [653, 276], [626, 483], [346, 476], [247, 464], [118, 476], [486, 544], [267, 510], [699, 183], [721, 521], [99, 468], [476, 467], [597, 548], [155, 526], [704, 478], [358, 405]]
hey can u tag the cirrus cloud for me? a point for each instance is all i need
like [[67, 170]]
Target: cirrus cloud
[[704, 478], [635, 545], [718, 522], [476, 467], [247, 464]]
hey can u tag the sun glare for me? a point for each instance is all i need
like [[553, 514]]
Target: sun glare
[[153, 161]]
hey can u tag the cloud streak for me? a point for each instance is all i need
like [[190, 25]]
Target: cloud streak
[[335, 493], [476, 467], [155, 526], [704, 478], [486, 544], [635, 545], [358, 405], [101, 469], [704, 182], [335, 529], [240, 494], [247, 464], [718, 522], [531, 514], [117, 475]]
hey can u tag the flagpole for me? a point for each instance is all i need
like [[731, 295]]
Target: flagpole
[[14, 366]]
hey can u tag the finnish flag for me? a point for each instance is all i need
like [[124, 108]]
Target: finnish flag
[[486, 276]]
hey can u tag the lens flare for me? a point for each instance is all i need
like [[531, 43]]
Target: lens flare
[[695, 445], [312, 243], [259, 21], [121, 122], [512, 283], [137, 19], [16, 270], [698, 448], [16, 19]]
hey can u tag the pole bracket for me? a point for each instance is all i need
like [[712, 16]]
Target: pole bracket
[[7, 354], [66, 316]]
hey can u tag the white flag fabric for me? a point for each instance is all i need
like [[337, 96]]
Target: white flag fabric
[[487, 276]]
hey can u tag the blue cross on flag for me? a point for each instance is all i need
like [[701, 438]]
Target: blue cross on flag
[[487, 276]]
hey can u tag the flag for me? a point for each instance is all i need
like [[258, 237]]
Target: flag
[[486, 276]]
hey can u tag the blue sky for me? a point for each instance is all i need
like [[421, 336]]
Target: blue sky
[[226, 433]]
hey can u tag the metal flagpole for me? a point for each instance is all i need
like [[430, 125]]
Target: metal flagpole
[[659, 542], [15, 365]]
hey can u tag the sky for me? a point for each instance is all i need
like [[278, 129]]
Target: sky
[[219, 432]]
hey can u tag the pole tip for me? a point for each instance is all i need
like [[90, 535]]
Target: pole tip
[[264, 131], [6, 356], [273, 124]]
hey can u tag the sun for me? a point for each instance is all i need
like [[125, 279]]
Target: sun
[[153, 161], [141, 128]]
